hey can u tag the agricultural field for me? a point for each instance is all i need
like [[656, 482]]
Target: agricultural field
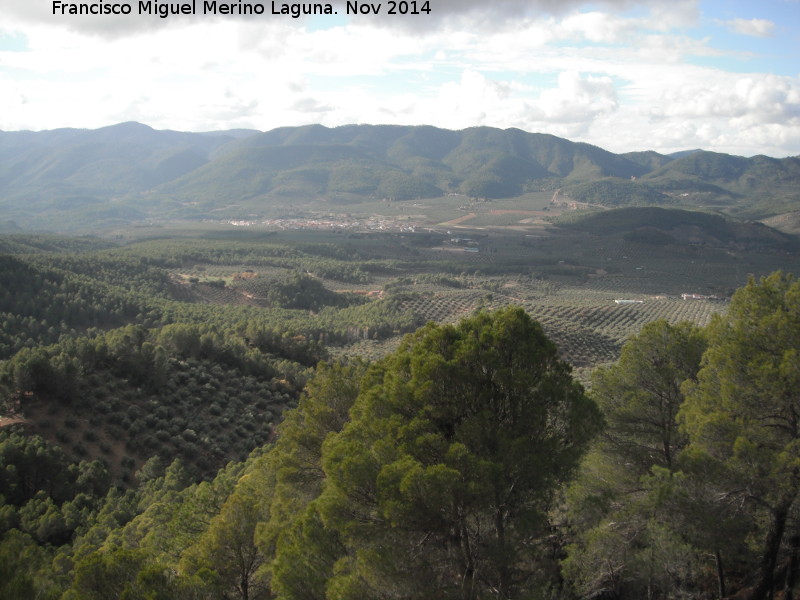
[[272, 301], [335, 281], [584, 320], [577, 311], [567, 280]]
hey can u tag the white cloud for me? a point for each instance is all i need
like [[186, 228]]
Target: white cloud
[[311, 105], [617, 74], [442, 14], [704, 108], [751, 99], [596, 27], [474, 99], [666, 16], [569, 109], [753, 27], [577, 99]]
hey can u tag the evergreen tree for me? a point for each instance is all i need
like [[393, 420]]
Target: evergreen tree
[[442, 481], [743, 416], [629, 537]]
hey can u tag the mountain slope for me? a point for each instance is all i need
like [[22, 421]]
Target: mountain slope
[[396, 161], [52, 168], [758, 185], [655, 225], [69, 178]]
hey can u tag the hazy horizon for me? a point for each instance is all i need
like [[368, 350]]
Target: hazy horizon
[[621, 75]]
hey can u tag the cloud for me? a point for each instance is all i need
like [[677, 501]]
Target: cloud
[[751, 99], [12, 101], [752, 27], [596, 27], [728, 112], [499, 14], [665, 16], [143, 16], [432, 15], [311, 105], [577, 99], [568, 109], [622, 75]]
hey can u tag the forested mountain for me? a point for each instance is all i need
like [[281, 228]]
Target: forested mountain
[[108, 161], [127, 173], [75, 173], [500, 399], [399, 162], [467, 463], [660, 226], [753, 186], [111, 355]]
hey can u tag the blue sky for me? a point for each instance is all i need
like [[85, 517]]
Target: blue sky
[[623, 75]]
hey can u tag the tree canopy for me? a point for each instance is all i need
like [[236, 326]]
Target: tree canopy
[[743, 414], [445, 474], [692, 491], [467, 464]]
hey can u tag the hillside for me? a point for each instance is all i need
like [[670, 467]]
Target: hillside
[[148, 386], [76, 174], [395, 162], [85, 316], [659, 226], [151, 461], [112, 354], [788, 222], [752, 187], [72, 180]]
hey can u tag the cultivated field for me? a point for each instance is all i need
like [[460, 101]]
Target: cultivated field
[[567, 281]]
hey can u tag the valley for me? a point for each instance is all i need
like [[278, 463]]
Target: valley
[[194, 330], [342, 288]]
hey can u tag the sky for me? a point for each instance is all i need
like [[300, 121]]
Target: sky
[[721, 75]]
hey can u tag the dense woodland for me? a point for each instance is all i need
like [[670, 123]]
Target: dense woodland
[[200, 422], [76, 180]]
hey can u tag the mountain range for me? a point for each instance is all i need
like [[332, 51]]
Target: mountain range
[[127, 173]]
